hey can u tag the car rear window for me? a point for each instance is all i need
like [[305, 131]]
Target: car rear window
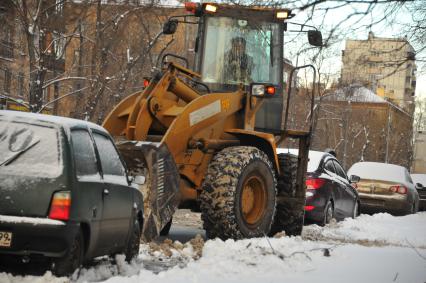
[[28, 149], [378, 171]]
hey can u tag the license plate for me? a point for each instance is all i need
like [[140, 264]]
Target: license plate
[[5, 239]]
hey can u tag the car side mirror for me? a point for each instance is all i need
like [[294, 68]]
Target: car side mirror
[[354, 179], [315, 38], [170, 27]]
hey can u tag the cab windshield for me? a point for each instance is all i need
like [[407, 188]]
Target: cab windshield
[[240, 52]]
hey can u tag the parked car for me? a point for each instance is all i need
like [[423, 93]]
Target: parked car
[[64, 192], [419, 181], [329, 193], [385, 188]]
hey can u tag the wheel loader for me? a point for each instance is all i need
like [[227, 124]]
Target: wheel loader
[[206, 138]]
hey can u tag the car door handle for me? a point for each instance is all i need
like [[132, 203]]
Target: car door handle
[[106, 192]]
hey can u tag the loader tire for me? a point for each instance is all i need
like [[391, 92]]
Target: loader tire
[[290, 211], [238, 195]]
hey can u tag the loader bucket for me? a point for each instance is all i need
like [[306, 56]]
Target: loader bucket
[[159, 184]]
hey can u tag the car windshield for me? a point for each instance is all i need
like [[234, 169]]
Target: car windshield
[[378, 171], [29, 150], [240, 52]]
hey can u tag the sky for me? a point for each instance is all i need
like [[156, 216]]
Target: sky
[[358, 29]]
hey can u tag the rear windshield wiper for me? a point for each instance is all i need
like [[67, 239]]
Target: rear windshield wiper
[[17, 154]]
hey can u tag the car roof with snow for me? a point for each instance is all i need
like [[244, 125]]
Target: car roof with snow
[[380, 171], [419, 178], [315, 157], [57, 120]]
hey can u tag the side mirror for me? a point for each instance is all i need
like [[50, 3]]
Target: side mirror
[[170, 27], [354, 179], [129, 179], [315, 38]]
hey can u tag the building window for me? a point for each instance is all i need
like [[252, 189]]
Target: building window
[[55, 44], [59, 6], [59, 45], [21, 84], [46, 95], [6, 43], [5, 78]]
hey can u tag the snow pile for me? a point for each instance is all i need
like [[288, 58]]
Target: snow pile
[[153, 259], [374, 230], [393, 250], [46, 278]]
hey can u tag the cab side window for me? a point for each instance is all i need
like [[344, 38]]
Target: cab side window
[[110, 160], [84, 153]]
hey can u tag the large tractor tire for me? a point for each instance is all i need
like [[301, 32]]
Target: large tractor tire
[[238, 195], [290, 210]]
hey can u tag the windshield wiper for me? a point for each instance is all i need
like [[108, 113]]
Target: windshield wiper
[[17, 154]]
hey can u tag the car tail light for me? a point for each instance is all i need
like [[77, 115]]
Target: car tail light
[[313, 184], [60, 207], [309, 207], [398, 189]]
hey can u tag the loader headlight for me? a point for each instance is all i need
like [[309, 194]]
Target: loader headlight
[[283, 14], [258, 90], [210, 8], [262, 90]]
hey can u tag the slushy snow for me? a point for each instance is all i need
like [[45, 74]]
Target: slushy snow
[[377, 248]]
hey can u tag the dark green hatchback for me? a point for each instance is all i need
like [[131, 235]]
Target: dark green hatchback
[[64, 192]]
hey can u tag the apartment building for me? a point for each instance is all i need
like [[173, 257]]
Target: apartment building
[[384, 65]]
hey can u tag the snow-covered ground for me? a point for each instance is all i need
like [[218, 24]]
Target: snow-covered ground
[[377, 248]]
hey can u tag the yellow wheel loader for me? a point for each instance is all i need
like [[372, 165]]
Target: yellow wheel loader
[[206, 138]]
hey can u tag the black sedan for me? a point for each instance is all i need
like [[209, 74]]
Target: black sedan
[[64, 192], [329, 191]]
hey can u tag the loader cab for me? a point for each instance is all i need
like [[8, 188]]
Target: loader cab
[[238, 46]]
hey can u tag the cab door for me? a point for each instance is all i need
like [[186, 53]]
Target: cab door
[[117, 195]]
